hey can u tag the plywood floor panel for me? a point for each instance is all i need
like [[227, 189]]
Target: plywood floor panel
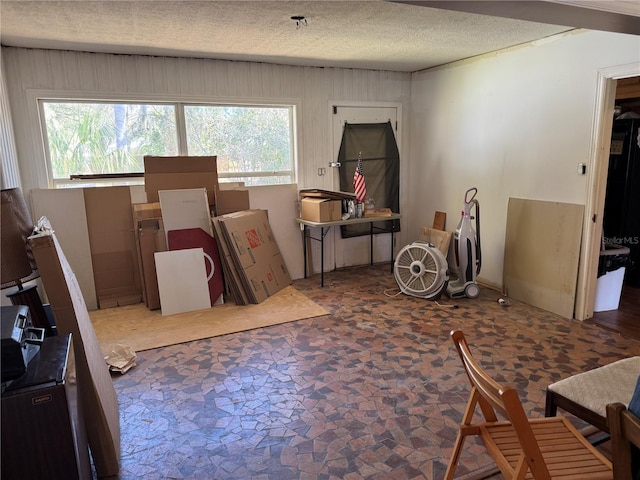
[[144, 329]]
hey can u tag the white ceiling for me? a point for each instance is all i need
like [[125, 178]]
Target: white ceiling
[[370, 34]]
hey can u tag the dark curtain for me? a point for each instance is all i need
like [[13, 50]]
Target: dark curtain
[[376, 144]]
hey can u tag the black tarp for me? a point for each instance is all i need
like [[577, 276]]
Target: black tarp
[[376, 144]]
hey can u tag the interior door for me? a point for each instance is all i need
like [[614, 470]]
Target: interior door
[[355, 251]]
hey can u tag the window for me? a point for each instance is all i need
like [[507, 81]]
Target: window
[[253, 144], [97, 140], [106, 138]]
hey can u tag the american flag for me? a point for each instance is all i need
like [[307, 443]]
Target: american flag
[[358, 183]]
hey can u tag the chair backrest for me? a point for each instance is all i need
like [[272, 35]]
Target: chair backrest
[[625, 431], [492, 397]]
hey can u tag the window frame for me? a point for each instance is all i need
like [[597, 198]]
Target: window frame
[[42, 97]]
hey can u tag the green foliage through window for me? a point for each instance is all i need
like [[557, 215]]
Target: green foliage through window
[[99, 138], [252, 143]]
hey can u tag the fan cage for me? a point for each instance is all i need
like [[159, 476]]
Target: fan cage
[[421, 270]]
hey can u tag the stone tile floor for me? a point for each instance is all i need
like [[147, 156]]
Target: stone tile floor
[[374, 390]]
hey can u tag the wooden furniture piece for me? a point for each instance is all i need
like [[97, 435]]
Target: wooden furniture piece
[[587, 394], [43, 435], [540, 448], [625, 431], [326, 226]]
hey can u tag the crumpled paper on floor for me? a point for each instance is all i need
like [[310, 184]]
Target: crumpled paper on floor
[[120, 358]]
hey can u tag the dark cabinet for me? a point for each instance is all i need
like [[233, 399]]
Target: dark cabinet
[[43, 436]]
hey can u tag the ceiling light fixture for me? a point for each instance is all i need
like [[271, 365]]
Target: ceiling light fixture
[[300, 20]]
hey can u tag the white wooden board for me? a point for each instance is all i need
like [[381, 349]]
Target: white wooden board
[[66, 212], [182, 281], [185, 208]]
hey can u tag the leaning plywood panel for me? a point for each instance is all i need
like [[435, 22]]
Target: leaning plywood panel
[[542, 250], [66, 210], [95, 387]]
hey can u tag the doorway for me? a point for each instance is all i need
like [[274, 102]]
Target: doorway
[[606, 90], [355, 251], [624, 320]]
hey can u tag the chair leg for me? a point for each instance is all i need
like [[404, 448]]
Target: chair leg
[[455, 456], [550, 407]]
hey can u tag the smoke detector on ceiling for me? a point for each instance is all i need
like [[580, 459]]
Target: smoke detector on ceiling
[[300, 20]]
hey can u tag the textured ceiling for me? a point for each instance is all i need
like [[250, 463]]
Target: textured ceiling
[[372, 34]]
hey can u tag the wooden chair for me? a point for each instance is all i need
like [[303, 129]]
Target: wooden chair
[[625, 431], [523, 448]]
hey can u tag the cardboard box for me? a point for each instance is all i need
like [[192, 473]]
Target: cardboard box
[[255, 253], [116, 274], [230, 201], [97, 396], [232, 280], [173, 173], [150, 236], [438, 238], [151, 239], [142, 211], [333, 195], [321, 209], [113, 246]]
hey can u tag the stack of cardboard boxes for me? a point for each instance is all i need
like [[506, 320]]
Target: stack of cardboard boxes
[[252, 261], [252, 264]]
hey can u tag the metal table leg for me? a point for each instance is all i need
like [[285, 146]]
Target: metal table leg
[[304, 248], [371, 243], [322, 234]]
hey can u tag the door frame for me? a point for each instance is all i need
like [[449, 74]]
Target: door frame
[[597, 183]]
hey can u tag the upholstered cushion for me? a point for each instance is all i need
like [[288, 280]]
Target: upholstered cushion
[[634, 404], [596, 388]]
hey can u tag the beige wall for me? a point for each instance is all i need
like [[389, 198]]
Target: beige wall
[[513, 124]]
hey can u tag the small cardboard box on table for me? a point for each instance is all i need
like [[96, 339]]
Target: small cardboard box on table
[[317, 205], [321, 209], [97, 395]]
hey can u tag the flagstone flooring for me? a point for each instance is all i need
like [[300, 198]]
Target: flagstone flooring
[[375, 390]]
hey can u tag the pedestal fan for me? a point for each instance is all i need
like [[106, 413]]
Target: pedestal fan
[[421, 270]]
